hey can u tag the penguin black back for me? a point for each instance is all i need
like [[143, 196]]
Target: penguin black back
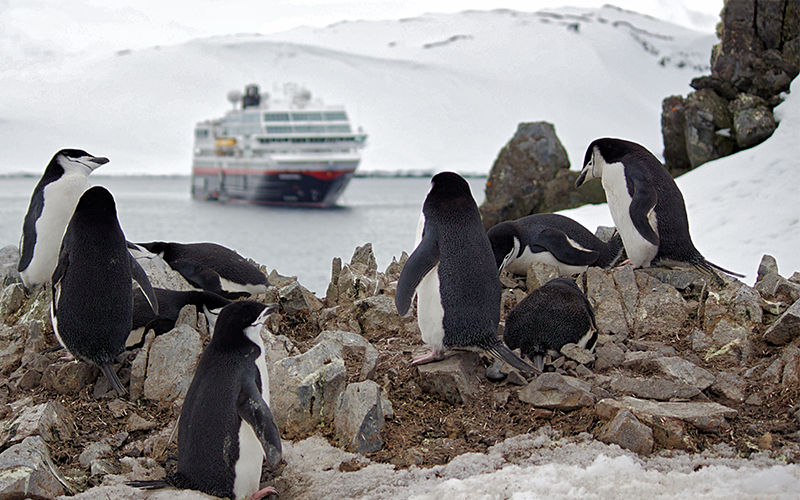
[[92, 294], [469, 286], [212, 267], [555, 314], [228, 389], [453, 273]]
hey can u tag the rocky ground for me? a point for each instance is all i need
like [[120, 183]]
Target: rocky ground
[[684, 362]]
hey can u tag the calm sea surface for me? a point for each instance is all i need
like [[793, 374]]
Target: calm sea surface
[[294, 241]]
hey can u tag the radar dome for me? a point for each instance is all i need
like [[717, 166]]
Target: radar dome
[[235, 96]]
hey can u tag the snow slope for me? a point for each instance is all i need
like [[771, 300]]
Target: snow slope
[[435, 92], [742, 206]]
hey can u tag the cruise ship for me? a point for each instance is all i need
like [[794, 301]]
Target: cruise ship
[[293, 151]]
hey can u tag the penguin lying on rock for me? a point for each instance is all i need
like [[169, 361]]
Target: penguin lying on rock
[[52, 202], [555, 314], [645, 203], [170, 303], [210, 267], [92, 302], [552, 239], [452, 272], [226, 428]]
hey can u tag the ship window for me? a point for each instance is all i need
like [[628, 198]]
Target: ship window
[[251, 117], [307, 117], [298, 139], [201, 134], [276, 117], [279, 129], [335, 116], [342, 129], [305, 129]]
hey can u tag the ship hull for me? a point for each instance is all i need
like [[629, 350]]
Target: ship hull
[[281, 186]]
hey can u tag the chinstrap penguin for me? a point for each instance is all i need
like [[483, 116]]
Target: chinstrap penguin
[[92, 302], [52, 202], [555, 314], [453, 273], [552, 239], [226, 427], [170, 303], [211, 267], [645, 203]]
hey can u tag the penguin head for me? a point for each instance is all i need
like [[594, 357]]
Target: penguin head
[[505, 244], [592, 164], [78, 160], [448, 185], [240, 323], [96, 199], [606, 151], [212, 306]]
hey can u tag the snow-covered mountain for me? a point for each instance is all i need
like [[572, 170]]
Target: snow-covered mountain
[[435, 92]]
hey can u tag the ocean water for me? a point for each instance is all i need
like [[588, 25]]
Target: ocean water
[[298, 242]]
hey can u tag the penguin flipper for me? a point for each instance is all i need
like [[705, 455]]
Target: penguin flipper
[[558, 244], [422, 260], [26, 245], [644, 200], [58, 275], [198, 275], [253, 410], [144, 283]]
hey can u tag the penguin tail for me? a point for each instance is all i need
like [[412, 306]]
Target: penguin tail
[[111, 375], [503, 353], [710, 267], [154, 484]]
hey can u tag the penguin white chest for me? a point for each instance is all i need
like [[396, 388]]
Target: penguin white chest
[[60, 198], [430, 313], [640, 251], [251, 451], [523, 262], [248, 467]]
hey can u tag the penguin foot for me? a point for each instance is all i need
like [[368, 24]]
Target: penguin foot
[[263, 492], [434, 355], [624, 263], [67, 357]]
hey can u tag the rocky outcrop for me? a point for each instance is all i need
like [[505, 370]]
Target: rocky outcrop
[[680, 356], [757, 58], [531, 175]]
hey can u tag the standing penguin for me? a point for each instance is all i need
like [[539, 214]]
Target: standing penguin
[[170, 303], [645, 203], [226, 428], [555, 314], [211, 267], [51, 206], [92, 294], [552, 239], [453, 273]]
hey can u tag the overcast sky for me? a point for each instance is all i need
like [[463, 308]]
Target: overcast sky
[[99, 25]]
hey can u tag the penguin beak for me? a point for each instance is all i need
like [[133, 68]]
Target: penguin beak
[[582, 178], [94, 162]]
